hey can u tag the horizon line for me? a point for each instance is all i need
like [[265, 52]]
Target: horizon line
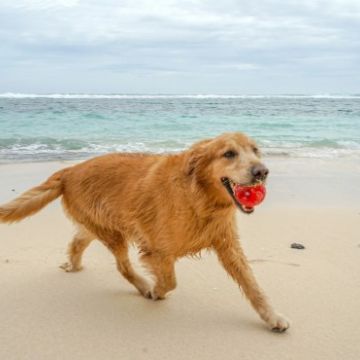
[[80, 95]]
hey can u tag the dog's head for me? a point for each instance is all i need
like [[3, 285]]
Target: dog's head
[[218, 164]]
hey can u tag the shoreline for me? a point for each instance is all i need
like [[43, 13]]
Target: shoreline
[[295, 154]]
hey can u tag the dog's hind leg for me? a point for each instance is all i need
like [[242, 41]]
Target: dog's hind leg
[[80, 242], [162, 267], [118, 246]]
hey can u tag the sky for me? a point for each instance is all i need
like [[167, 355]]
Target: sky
[[180, 46]]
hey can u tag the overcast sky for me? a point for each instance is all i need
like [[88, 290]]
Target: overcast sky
[[180, 46]]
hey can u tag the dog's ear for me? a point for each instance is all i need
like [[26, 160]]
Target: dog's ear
[[196, 156], [191, 162]]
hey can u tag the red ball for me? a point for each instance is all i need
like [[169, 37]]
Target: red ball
[[250, 196]]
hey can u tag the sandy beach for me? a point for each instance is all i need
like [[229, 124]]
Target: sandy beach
[[46, 313]]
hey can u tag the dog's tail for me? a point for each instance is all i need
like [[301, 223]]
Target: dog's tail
[[33, 200]]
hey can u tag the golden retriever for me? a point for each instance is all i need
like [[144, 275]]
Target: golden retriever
[[169, 205]]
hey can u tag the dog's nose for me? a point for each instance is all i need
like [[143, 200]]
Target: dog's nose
[[259, 171]]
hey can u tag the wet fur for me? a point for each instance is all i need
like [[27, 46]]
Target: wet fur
[[169, 205]]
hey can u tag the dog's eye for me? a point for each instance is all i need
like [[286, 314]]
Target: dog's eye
[[256, 150], [230, 154]]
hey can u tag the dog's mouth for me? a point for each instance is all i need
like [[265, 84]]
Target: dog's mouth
[[230, 187]]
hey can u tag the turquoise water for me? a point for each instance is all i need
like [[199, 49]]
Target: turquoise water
[[37, 128]]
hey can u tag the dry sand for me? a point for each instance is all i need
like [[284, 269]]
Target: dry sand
[[48, 314]]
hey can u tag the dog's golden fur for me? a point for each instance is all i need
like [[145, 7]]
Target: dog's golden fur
[[169, 205]]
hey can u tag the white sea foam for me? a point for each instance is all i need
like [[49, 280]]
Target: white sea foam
[[46, 152], [10, 95], [18, 150], [324, 153]]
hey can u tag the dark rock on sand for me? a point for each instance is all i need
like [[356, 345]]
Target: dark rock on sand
[[297, 246]]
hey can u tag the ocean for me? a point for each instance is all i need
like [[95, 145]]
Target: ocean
[[69, 127]]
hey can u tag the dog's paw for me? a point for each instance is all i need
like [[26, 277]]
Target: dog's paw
[[70, 267], [278, 323], [152, 295], [146, 292], [155, 296]]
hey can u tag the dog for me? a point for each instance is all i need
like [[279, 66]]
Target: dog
[[170, 206]]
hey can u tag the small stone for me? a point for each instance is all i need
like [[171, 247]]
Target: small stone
[[297, 246], [12, 189], [7, 261]]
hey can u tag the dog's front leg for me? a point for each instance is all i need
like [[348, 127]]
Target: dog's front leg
[[235, 263], [162, 267]]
